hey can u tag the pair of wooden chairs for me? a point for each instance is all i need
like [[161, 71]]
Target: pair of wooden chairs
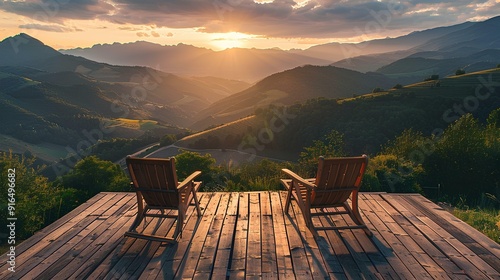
[[156, 185]]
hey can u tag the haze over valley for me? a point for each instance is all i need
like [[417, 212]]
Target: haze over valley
[[240, 90], [60, 103]]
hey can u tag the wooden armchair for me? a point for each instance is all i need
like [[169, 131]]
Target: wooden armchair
[[157, 188], [336, 180]]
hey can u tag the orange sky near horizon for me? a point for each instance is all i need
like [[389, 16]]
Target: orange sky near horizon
[[221, 24], [85, 34]]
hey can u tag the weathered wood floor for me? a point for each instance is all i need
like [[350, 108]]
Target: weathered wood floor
[[247, 235]]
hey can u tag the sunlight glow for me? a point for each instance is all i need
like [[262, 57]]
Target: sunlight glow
[[223, 41]]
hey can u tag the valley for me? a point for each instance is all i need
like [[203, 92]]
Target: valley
[[61, 103]]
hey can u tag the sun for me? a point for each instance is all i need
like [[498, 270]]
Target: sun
[[222, 41]]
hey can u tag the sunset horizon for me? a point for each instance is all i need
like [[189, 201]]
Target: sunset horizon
[[220, 25]]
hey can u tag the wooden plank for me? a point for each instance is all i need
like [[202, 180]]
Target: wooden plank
[[300, 262], [223, 255], [423, 241], [341, 248], [113, 263], [479, 243], [247, 235], [167, 259], [420, 265], [124, 256], [376, 257], [58, 238], [351, 240], [473, 265], [333, 265], [65, 255], [442, 244], [176, 256], [208, 253], [283, 254], [82, 210], [385, 240], [253, 269], [314, 256], [88, 259], [427, 262], [269, 263], [238, 260], [45, 236], [192, 257], [98, 259], [136, 266], [48, 260]]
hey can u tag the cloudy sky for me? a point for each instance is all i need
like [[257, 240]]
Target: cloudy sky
[[220, 24]]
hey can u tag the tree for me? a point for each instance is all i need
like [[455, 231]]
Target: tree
[[463, 163], [332, 145], [432, 78], [409, 145], [167, 140], [188, 162], [392, 174], [494, 118], [32, 198], [92, 175]]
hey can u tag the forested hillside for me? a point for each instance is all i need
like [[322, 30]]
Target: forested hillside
[[367, 121]]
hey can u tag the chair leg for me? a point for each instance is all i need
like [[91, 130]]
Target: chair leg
[[308, 218], [288, 198], [196, 203], [140, 213], [180, 223], [356, 216]]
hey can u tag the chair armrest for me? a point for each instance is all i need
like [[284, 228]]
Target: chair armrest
[[299, 179], [188, 180]]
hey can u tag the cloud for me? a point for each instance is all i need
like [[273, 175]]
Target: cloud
[[142, 34], [155, 34], [310, 19], [278, 18], [49, 27], [57, 11]]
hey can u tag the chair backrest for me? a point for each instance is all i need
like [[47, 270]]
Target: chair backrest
[[156, 179], [337, 178]]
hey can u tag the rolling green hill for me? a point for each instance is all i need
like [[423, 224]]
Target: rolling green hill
[[48, 99], [289, 87], [440, 63], [367, 121]]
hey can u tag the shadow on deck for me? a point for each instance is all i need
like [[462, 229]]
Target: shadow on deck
[[247, 235]]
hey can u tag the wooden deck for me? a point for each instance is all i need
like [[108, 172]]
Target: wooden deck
[[247, 235]]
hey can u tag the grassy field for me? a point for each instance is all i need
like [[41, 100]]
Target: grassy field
[[236, 127], [486, 221], [135, 124], [44, 151]]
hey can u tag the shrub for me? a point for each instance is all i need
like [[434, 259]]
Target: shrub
[[432, 78], [167, 140]]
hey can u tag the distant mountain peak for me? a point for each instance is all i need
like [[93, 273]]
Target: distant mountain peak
[[22, 38], [23, 50]]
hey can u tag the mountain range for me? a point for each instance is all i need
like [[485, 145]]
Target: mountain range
[[251, 65], [52, 99]]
